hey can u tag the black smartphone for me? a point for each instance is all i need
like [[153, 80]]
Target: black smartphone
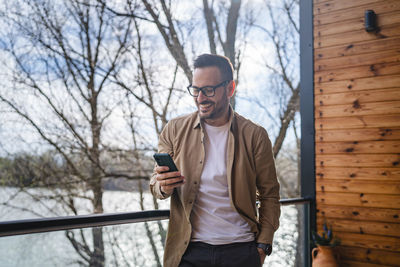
[[164, 159]]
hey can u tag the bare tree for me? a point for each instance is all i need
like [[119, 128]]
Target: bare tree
[[63, 55], [171, 30]]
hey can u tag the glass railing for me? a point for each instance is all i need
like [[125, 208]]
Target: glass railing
[[127, 239]]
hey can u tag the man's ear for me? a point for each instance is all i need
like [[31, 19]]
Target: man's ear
[[231, 88]]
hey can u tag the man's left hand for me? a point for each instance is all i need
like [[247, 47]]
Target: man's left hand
[[262, 255]]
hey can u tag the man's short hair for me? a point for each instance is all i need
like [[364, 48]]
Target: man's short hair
[[221, 62]]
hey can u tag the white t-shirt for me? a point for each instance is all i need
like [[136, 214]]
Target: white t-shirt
[[213, 219]]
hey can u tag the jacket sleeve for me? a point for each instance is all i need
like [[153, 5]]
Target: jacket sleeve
[[165, 145], [268, 189]]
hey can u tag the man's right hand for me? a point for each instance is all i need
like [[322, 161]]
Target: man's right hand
[[168, 180]]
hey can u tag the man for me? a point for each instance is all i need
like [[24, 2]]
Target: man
[[225, 162]]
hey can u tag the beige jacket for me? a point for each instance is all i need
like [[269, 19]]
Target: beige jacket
[[250, 169]]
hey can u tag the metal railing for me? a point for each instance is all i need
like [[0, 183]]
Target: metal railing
[[40, 225]]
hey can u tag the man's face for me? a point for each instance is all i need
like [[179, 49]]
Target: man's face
[[215, 107]]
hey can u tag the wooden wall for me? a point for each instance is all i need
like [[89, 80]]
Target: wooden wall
[[357, 123]]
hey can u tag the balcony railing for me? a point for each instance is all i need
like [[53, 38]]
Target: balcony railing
[[40, 225]]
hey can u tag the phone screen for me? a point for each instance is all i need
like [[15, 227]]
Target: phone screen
[[164, 159]]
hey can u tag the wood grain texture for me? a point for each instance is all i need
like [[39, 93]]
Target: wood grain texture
[[376, 45], [359, 147], [354, 37], [357, 128], [359, 200], [358, 160], [355, 24], [358, 109], [349, 263], [365, 255], [369, 214], [385, 56], [356, 11], [369, 241], [353, 73], [329, 6], [377, 95], [351, 186], [362, 227], [359, 135], [364, 174], [362, 84], [358, 122]]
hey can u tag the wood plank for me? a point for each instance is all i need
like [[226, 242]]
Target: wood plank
[[362, 84], [369, 241], [358, 109], [351, 186], [358, 213], [354, 37], [349, 263], [385, 56], [329, 6], [358, 200], [360, 227], [358, 160], [354, 25], [352, 73], [372, 134], [391, 43], [380, 8], [368, 147], [358, 122], [365, 174], [376, 256], [377, 95]]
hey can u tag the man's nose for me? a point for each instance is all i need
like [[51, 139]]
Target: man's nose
[[201, 97]]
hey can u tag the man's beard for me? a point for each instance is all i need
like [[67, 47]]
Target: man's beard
[[218, 110]]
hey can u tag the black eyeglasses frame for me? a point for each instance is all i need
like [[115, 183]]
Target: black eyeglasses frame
[[202, 89]]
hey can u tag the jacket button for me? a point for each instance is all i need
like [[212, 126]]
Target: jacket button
[[201, 162], [190, 201], [195, 182]]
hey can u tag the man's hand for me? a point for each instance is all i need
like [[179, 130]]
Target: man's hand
[[168, 180], [262, 255]]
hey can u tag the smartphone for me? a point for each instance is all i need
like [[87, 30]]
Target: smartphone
[[164, 159]]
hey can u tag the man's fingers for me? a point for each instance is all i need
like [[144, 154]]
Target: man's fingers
[[160, 169], [167, 175], [172, 182], [171, 186]]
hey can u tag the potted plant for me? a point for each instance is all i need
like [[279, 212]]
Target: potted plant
[[323, 254]]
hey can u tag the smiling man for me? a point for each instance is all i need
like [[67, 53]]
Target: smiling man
[[225, 164]]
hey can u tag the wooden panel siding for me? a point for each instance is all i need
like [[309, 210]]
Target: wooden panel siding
[[356, 122], [356, 214], [358, 48], [357, 128], [355, 11], [372, 228], [383, 257], [359, 173], [352, 73], [355, 37], [354, 25], [385, 56]]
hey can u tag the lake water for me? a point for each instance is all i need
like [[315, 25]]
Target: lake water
[[125, 245]]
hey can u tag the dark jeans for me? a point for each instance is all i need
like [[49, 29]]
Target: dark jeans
[[199, 254]]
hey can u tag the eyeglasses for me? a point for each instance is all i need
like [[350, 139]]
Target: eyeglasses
[[208, 91]]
